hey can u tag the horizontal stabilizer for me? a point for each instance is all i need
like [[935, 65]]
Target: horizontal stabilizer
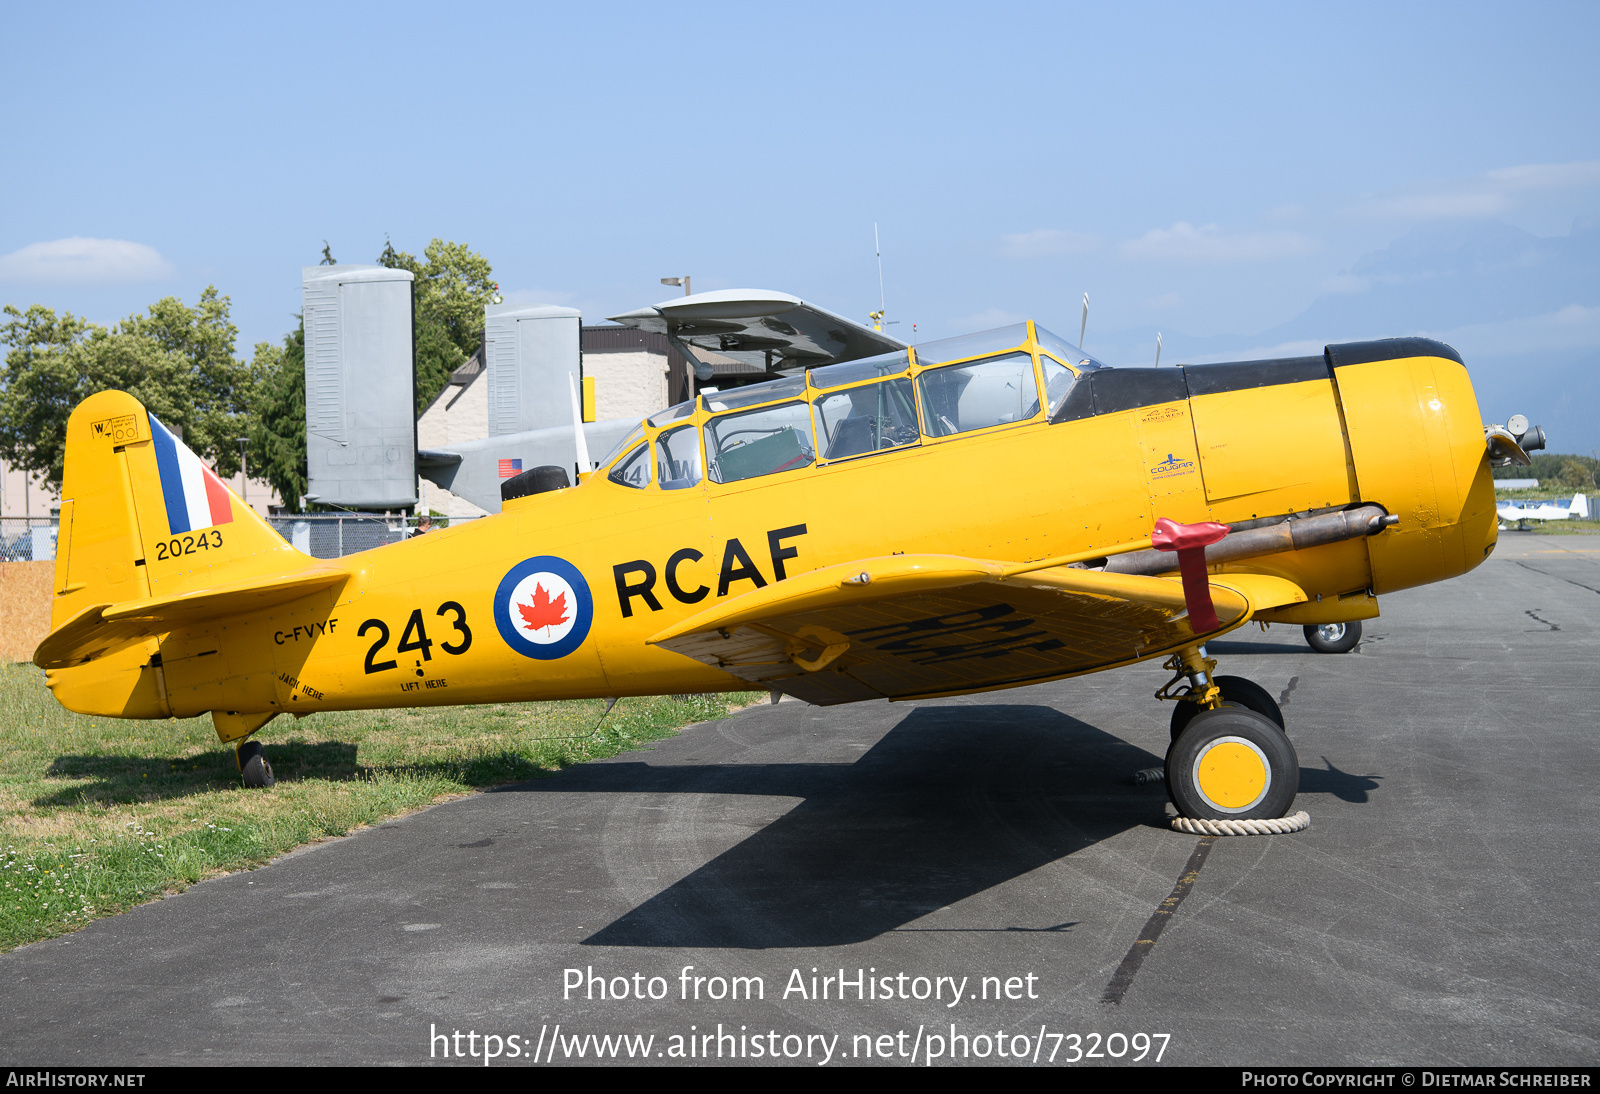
[[102, 628]]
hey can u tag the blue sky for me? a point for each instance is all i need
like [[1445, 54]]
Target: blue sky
[[1242, 178]]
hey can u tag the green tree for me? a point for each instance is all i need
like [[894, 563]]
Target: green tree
[[278, 419], [1555, 470], [453, 284], [1575, 474], [176, 360]]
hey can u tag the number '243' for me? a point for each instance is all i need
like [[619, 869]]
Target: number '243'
[[415, 637]]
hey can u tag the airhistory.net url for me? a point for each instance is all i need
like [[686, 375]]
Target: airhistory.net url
[[923, 1046]]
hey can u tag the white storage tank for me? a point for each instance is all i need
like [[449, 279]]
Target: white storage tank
[[361, 432], [529, 354]]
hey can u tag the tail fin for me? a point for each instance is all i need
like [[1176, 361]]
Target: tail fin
[[142, 517], [1579, 507], [143, 521]]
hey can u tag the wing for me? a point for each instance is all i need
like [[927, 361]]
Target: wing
[[748, 324], [917, 626]]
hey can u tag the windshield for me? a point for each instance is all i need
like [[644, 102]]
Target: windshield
[[632, 438], [672, 413], [1063, 350]]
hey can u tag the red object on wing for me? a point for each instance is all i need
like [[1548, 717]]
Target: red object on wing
[[1190, 541]]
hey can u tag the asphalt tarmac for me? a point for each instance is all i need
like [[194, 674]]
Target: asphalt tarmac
[[1440, 909]]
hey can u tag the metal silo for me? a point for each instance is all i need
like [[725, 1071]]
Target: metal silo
[[530, 351], [361, 424]]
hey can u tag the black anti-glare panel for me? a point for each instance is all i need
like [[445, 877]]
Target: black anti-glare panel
[[1079, 402], [1389, 349], [1240, 375], [1126, 388]]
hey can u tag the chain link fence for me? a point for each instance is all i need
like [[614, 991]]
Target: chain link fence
[[320, 535], [333, 535], [27, 539]]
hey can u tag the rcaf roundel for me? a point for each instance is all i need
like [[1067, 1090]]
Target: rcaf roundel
[[543, 608]]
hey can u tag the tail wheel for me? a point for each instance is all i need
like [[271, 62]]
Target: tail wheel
[[1333, 637], [253, 765], [1237, 692], [1232, 764]]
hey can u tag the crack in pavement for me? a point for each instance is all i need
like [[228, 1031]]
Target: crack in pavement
[[1558, 577], [1530, 614]]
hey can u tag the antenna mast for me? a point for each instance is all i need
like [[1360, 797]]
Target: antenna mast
[[877, 248], [1083, 324]]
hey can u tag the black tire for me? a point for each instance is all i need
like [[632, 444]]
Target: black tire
[[1333, 637], [1232, 764], [1236, 692], [253, 766]]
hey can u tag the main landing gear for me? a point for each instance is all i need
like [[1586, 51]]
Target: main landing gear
[[253, 765], [1230, 758]]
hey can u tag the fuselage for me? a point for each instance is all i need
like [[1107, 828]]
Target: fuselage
[[1092, 457]]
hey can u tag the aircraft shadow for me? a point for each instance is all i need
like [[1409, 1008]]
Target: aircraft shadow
[[1343, 785], [1223, 649], [952, 801], [121, 778]]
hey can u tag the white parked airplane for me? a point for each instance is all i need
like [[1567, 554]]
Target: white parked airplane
[[1512, 514]]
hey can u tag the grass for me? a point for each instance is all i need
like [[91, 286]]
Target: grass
[[98, 815], [1566, 527], [1557, 527]]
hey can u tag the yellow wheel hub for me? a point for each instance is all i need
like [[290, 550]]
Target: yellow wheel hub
[[1233, 774]]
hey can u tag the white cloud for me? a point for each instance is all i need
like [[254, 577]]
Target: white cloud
[[1183, 242], [1042, 242], [1546, 176], [1575, 315], [84, 261], [1488, 194]]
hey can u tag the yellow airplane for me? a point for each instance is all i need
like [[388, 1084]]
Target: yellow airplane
[[963, 516]]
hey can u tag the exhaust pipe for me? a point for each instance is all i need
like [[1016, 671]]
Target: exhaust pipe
[[1248, 540]]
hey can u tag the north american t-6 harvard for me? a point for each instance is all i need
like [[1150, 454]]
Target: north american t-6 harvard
[[961, 516]]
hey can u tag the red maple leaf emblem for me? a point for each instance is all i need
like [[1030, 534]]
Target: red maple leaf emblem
[[544, 612]]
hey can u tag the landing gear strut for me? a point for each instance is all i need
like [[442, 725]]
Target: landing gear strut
[[1230, 758], [253, 765]]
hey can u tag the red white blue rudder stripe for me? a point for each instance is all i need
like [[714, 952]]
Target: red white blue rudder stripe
[[195, 497]]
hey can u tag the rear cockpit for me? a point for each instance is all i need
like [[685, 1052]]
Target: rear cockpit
[[991, 381]]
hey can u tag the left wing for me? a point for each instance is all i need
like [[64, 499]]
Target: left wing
[[918, 626]]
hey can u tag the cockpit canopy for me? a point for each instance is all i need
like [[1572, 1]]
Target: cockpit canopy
[[990, 380]]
